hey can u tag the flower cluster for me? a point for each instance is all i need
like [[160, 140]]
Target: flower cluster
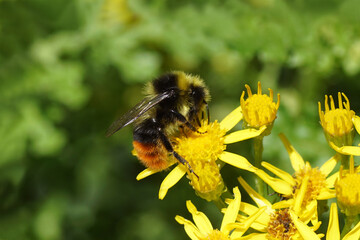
[[301, 195]]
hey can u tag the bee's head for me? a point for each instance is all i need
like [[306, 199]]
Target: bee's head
[[198, 95], [194, 91], [198, 98]]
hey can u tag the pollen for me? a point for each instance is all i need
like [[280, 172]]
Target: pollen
[[336, 121], [348, 190], [216, 235], [202, 150], [259, 109], [205, 146], [317, 181], [281, 226]]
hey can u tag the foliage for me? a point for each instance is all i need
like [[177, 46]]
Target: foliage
[[68, 68]]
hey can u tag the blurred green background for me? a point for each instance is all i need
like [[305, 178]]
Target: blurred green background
[[69, 68]]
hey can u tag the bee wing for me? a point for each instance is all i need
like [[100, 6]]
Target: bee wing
[[137, 111]]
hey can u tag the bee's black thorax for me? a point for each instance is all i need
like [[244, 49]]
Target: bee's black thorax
[[165, 83]]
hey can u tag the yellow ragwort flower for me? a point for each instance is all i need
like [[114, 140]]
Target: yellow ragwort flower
[[333, 232], [348, 190], [274, 224], [307, 185], [203, 151], [259, 109], [338, 123], [203, 230]]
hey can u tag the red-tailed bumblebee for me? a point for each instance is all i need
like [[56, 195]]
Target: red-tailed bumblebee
[[173, 100]]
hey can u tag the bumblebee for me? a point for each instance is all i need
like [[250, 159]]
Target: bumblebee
[[174, 100]]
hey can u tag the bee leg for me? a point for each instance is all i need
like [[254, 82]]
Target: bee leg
[[183, 131], [183, 120], [165, 141], [184, 162]]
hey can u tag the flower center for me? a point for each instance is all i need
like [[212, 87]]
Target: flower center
[[317, 181], [216, 235], [281, 226], [336, 121], [259, 109], [202, 151], [206, 146], [348, 193]]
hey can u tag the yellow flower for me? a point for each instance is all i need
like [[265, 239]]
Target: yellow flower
[[275, 224], [203, 230], [259, 109], [305, 186], [333, 232], [202, 151], [348, 190], [338, 124]]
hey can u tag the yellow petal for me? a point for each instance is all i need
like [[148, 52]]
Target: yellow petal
[[354, 234], [283, 204], [301, 194], [259, 200], [330, 181], [237, 161], [279, 185], [247, 208], [261, 222], [346, 150], [304, 230], [326, 193], [238, 232], [190, 229], [232, 210], [256, 225], [242, 135], [231, 119], [310, 213], [297, 161], [255, 236], [145, 173], [171, 179], [329, 165], [280, 173], [356, 122], [315, 227], [200, 219], [333, 232]]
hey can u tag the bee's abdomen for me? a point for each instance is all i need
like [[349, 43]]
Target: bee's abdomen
[[153, 155]]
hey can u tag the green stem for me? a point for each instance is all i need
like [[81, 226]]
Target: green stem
[[220, 202], [350, 221], [258, 149], [344, 161]]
